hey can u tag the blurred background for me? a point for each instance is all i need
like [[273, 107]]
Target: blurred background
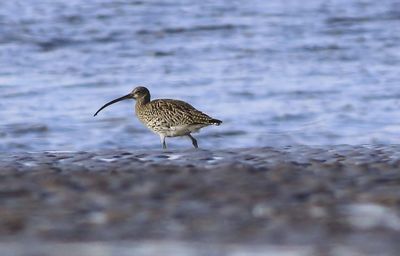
[[276, 72]]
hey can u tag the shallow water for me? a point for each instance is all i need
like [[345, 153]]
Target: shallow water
[[276, 72]]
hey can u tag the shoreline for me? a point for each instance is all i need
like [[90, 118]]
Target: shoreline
[[309, 196], [256, 156]]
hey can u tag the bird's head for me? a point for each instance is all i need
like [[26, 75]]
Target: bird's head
[[140, 93]]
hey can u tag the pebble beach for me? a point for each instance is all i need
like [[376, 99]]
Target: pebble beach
[[295, 200]]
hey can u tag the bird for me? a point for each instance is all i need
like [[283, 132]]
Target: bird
[[166, 117]]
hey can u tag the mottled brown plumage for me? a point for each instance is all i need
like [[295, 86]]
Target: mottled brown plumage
[[166, 117]]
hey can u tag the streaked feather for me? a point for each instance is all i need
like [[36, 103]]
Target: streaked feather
[[164, 115]]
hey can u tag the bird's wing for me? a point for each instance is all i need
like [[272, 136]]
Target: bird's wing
[[176, 112]]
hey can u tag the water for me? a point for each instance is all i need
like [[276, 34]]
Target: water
[[276, 72]]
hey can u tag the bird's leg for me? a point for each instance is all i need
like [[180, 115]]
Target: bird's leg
[[162, 138], [194, 141]]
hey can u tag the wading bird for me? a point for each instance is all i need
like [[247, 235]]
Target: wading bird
[[166, 117]]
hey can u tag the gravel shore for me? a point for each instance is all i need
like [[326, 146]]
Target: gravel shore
[[300, 200]]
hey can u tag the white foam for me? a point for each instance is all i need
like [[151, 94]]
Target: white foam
[[108, 160]]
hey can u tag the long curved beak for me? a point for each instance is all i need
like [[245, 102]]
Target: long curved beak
[[126, 97]]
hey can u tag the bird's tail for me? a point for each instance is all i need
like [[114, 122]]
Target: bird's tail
[[215, 121]]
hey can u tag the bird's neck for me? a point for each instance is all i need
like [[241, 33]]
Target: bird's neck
[[143, 101]]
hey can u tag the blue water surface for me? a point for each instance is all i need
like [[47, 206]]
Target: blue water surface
[[312, 72]]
